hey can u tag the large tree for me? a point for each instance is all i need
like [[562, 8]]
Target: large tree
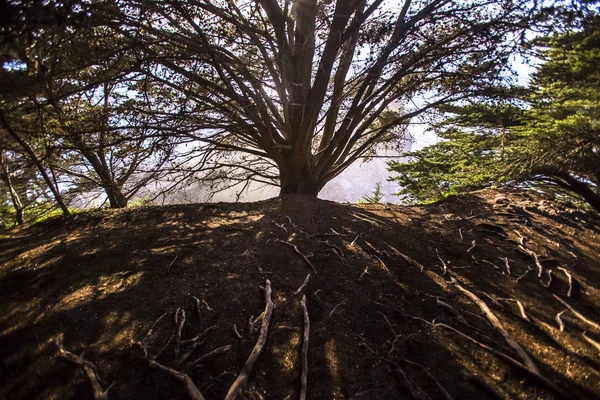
[[550, 137], [294, 88]]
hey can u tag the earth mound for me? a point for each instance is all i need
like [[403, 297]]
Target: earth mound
[[491, 295]]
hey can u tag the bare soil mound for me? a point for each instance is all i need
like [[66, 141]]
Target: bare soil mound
[[492, 295]]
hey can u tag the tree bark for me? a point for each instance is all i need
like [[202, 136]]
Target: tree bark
[[37, 162], [113, 190], [298, 179], [582, 189]]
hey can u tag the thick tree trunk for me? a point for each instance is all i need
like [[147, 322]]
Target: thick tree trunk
[[296, 179], [113, 191], [116, 198]]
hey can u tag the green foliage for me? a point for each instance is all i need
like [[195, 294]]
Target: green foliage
[[376, 197], [547, 135]]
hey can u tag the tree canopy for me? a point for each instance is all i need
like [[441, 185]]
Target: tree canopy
[[547, 135], [107, 96]]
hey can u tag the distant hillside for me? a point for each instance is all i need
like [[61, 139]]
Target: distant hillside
[[491, 295]]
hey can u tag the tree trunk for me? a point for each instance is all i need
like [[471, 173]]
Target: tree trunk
[[113, 191], [14, 196], [299, 181], [37, 162], [582, 189], [116, 198]]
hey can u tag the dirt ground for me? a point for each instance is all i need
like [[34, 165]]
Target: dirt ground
[[387, 319]]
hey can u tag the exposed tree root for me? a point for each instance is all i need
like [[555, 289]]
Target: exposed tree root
[[538, 377], [561, 324], [179, 321], [443, 262], [301, 254], [535, 258], [151, 330], [216, 352], [197, 302], [524, 273], [507, 264], [299, 290], [591, 341], [481, 383], [336, 249], [538, 327], [415, 391], [577, 313], [237, 385], [396, 335], [189, 385], [89, 369], [570, 278], [498, 326], [304, 359], [197, 338]]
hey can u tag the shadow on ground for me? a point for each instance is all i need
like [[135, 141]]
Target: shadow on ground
[[103, 278]]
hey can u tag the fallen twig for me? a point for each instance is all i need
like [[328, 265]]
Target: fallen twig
[[443, 262], [304, 360], [235, 330], [303, 285], [473, 244], [525, 273], [336, 307], [577, 313], [460, 234], [89, 369], [298, 252], [365, 272], [258, 347], [172, 262], [498, 326], [570, 278]]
